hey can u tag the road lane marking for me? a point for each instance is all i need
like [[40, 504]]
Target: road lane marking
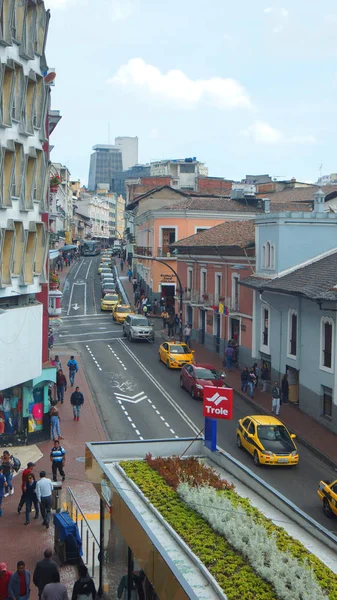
[[78, 269], [87, 333], [88, 269], [169, 398], [81, 341]]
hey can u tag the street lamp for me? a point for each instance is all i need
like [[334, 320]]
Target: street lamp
[[180, 291]]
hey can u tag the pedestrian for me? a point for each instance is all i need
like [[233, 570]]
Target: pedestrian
[[244, 380], [176, 324], [44, 571], [122, 265], [187, 335], [55, 423], [50, 338], [155, 306], [285, 389], [264, 377], [251, 382], [58, 459], [145, 310], [24, 478], [57, 363], [256, 372], [164, 315], [18, 587], [229, 355], [31, 498], [170, 324], [55, 590], [69, 257], [8, 470], [61, 385], [84, 586], [44, 489], [73, 369], [5, 577], [77, 399], [129, 274], [276, 399], [3, 486]]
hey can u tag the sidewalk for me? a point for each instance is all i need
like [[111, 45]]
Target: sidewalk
[[19, 542], [311, 433]]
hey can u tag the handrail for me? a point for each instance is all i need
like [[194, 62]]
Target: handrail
[[73, 497]]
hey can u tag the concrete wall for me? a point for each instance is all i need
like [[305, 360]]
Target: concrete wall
[[20, 344]]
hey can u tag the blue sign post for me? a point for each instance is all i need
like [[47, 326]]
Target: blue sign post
[[210, 434]]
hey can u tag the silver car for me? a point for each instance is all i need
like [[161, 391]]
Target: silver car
[[137, 327]]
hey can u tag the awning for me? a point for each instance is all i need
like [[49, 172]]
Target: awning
[[48, 375], [68, 247], [53, 254]]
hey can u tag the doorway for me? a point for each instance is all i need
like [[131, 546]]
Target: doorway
[[167, 292], [293, 380], [217, 333], [235, 331], [189, 316], [202, 326]]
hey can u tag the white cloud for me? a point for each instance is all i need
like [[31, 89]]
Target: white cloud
[[120, 9], [175, 85], [278, 16], [263, 133]]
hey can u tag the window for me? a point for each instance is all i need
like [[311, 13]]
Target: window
[[18, 248], [203, 281], [187, 168], [7, 95], [218, 287], [200, 229], [327, 402], [168, 235], [189, 278], [235, 304], [327, 333], [268, 256], [8, 177], [272, 256], [265, 328], [6, 253], [292, 333], [41, 242]]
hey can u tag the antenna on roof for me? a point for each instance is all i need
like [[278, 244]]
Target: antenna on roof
[[321, 169]]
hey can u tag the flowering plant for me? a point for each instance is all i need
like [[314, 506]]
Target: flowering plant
[[55, 180], [54, 277]]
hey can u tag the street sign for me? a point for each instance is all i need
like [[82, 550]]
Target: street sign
[[218, 403]]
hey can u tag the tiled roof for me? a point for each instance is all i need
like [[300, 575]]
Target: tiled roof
[[315, 281], [230, 233], [215, 204], [299, 194]]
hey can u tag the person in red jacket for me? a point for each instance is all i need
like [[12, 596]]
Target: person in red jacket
[[25, 474], [4, 581]]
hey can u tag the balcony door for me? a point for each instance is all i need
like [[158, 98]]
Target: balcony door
[[168, 237]]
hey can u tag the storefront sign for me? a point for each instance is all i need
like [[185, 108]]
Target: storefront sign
[[167, 277], [218, 403]]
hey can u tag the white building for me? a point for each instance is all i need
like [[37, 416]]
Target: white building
[[61, 204], [129, 149], [184, 172], [24, 180], [97, 210]]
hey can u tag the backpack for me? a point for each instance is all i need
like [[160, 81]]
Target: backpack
[[72, 367], [16, 464]]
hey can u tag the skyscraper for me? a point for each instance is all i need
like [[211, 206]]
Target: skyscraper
[[129, 148], [104, 162]]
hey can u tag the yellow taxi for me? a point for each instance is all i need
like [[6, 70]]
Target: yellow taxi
[[103, 267], [175, 355], [120, 312], [267, 440], [327, 492], [109, 301]]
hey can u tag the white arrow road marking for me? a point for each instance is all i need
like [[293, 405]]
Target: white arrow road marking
[[133, 400], [129, 397], [76, 306]]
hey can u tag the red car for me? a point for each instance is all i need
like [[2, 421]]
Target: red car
[[194, 377]]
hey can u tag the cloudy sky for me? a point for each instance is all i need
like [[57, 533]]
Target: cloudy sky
[[246, 87]]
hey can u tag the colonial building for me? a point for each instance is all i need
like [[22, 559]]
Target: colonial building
[[294, 305], [24, 181], [61, 205]]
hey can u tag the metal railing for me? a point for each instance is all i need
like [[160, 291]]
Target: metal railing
[[143, 250], [90, 543]]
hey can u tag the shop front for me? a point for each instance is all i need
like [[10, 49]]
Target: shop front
[[24, 411]]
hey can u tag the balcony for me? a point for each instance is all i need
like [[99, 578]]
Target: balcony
[[232, 304], [196, 297], [143, 250], [164, 252]]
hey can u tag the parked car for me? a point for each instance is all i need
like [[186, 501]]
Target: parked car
[[137, 327], [175, 354], [194, 377], [120, 312], [109, 301], [267, 440], [108, 288]]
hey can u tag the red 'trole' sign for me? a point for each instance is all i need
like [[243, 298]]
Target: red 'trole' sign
[[218, 402]]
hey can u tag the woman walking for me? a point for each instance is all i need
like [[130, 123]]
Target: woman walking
[[55, 423]]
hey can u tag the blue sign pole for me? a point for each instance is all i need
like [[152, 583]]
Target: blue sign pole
[[210, 433]]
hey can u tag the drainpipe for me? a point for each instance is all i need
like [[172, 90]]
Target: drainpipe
[[280, 313]]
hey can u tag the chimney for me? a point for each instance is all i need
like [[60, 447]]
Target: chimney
[[266, 205], [319, 199]]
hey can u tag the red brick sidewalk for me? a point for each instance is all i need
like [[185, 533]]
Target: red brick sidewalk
[[310, 432], [19, 542]]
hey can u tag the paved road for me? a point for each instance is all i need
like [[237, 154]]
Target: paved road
[[139, 398]]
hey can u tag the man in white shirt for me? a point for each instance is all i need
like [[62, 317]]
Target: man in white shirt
[[44, 489]]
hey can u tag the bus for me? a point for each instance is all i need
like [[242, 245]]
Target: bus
[[91, 248]]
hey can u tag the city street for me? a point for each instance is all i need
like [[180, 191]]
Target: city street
[[139, 398]]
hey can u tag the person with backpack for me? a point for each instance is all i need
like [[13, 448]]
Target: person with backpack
[[73, 369], [84, 586], [7, 464], [61, 385], [129, 274], [3, 486]]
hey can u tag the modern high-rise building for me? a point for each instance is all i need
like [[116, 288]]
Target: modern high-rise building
[[129, 148], [104, 162]]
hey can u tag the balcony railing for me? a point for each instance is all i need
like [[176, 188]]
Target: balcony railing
[[143, 250], [197, 297], [164, 252]]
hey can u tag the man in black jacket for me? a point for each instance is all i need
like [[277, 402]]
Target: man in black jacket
[[44, 571], [77, 400]]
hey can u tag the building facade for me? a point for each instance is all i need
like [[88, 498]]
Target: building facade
[[104, 162], [132, 176], [294, 306], [61, 210], [24, 181], [129, 149], [97, 210], [183, 172]]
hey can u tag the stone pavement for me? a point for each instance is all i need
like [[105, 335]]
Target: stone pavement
[[314, 435], [19, 542]]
